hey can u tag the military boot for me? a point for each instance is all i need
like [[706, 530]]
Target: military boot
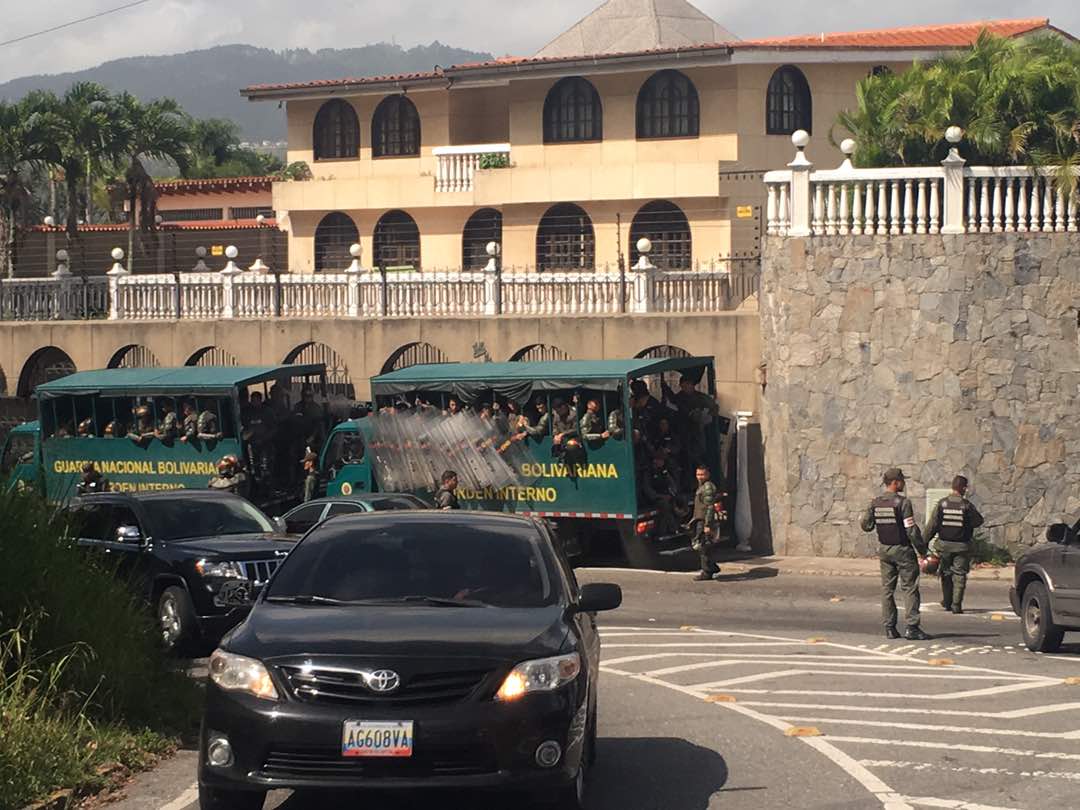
[[916, 634]]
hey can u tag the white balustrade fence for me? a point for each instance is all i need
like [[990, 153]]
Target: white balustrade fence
[[458, 164], [951, 198], [47, 299]]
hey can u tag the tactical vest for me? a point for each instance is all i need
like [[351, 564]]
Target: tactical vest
[[954, 525], [888, 520]]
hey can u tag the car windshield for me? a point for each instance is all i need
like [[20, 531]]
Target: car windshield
[[184, 518], [397, 502], [416, 563]]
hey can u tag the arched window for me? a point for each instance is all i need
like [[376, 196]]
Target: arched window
[[787, 102], [565, 239], [538, 353], [397, 241], [44, 365], [338, 381], [664, 224], [133, 356], [483, 226], [667, 107], [414, 354], [337, 131], [212, 356], [333, 238], [572, 112], [395, 128]]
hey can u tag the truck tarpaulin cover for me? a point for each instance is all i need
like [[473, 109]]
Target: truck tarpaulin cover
[[410, 450]]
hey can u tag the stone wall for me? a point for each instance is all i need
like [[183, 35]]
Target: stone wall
[[941, 355]]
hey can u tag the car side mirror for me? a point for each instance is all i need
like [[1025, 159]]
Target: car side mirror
[[129, 534], [280, 525], [597, 596], [1057, 533]]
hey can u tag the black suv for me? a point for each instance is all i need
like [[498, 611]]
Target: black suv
[[1046, 588], [405, 650], [199, 558]]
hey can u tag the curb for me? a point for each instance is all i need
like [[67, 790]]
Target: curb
[[983, 574]]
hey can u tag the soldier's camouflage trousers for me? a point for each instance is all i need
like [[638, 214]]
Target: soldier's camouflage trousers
[[954, 569], [899, 563]]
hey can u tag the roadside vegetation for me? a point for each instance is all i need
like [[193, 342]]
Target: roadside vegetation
[[80, 155], [85, 692], [1017, 100]]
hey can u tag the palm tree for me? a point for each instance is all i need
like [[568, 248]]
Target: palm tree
[[157, 130], [28, 137], [88, 141]]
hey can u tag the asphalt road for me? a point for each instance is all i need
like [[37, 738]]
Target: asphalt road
[[707, 687]]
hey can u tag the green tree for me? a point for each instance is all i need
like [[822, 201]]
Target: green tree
[[216, 152], [1017, 100], [28, 141], [157, 130]]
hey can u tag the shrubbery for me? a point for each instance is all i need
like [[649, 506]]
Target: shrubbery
[[83, 681]]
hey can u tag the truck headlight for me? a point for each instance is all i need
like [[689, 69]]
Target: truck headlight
[[219, 570], [237, 673], [539, 675]]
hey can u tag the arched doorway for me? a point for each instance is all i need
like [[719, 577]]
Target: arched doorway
[[483, 226], [664, 224], [212, 356], [338, 382], [565, 240], [45, 365], [333, 238], [134, 356], [414, 354], [539, 353]]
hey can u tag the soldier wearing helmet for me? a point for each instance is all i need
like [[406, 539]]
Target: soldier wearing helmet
[[86, 428], [900, 547], [91, 481], [142, 432], [229, 478]]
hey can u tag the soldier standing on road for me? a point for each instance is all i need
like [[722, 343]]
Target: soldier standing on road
[[446, 497], [953, 522], [704, 523], [900, 544]]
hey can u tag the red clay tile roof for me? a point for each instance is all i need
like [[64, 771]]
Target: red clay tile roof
[[319, 83], [209, 225], [957, 35], [213, 184]]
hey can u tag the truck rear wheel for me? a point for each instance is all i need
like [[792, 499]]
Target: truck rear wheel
[[639, 550]]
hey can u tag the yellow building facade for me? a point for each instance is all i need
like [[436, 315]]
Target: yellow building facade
[[565, 160]]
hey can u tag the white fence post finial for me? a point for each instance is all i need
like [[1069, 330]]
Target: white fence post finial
[[847, 146], [62, 269], [114, 274], [352, 273], [953, 219], [258, 266], [492, 282], [228, 272], [800, 186], [200, 265]]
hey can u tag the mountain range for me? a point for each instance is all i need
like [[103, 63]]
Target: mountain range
[[206, 82]]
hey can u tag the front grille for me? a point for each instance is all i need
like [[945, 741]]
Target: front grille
[[258, 572], [323, 685], [454, 759]]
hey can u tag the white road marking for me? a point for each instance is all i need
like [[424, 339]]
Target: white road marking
[[816, 669], [996, 732], [949, 746], [1030, 711], [951, 804], [186, 798], [1071, 776]]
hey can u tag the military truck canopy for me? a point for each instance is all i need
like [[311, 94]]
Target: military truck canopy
[[181, 381], [518, 381]]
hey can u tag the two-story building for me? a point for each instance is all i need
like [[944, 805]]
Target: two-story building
[[629, 124]]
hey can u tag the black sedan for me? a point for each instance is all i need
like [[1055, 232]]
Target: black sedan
[[1046, 588], [311, 513], [409, 650]]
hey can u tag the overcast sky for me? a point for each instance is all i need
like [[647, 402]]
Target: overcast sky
[[497, 26]]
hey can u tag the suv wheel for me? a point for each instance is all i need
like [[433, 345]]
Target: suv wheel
[[1040, 632], [218, 799], [176, 618]]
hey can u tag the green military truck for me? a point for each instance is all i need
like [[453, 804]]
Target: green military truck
[[86, 417], [592, 488]]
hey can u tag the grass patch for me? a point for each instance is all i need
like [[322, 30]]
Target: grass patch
[[84, 684], [985, 552]]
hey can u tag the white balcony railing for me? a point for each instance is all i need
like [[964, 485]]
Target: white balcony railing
[[458, 164], [951, 198]]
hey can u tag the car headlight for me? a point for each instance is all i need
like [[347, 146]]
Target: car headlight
[[219, 570], [237, 673], [539, 675]]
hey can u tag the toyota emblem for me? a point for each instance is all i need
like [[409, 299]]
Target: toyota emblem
[[382, 680]]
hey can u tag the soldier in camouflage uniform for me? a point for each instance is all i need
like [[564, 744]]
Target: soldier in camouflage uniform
[[592, 424], [953, 523], [207, 426], [564, 422], [900, 545], [615, 425], [704, 524], [143, 430], [190, 426], [170, 426], [543, 419], [229, 478]]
